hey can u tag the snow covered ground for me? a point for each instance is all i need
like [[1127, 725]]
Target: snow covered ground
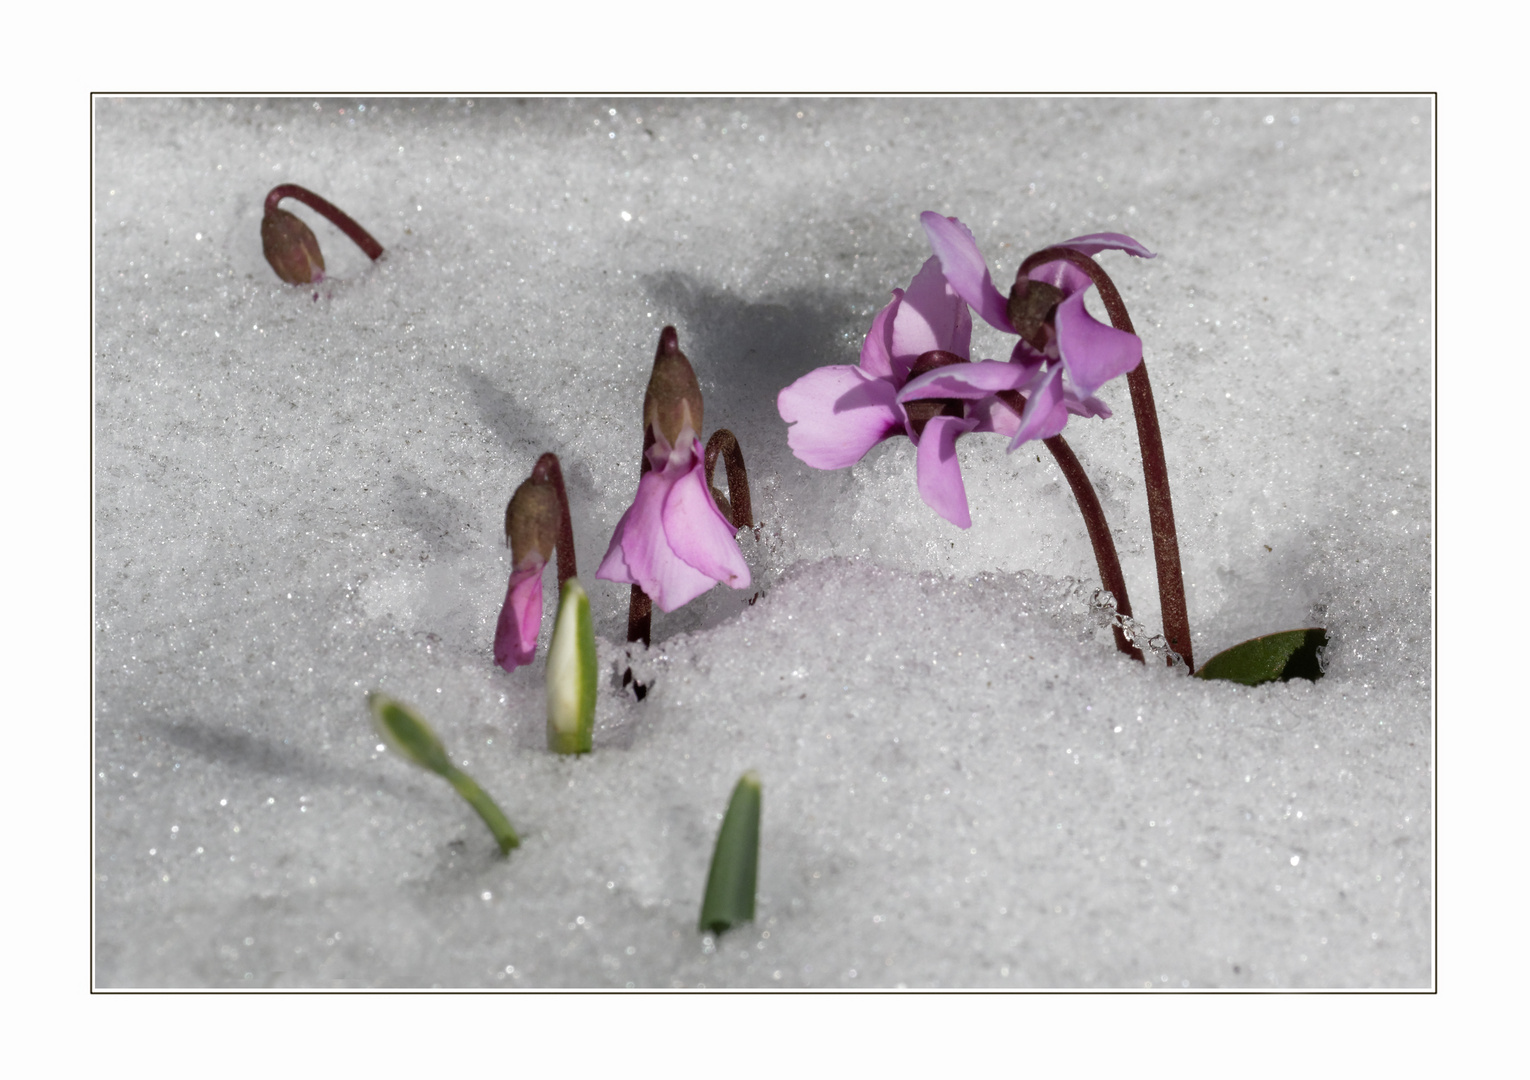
[[299, 498]]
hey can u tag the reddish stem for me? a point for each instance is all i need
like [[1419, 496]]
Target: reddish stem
[[341, 220], [1099, 535], [724, 442], [546, 470], [1155, 470]]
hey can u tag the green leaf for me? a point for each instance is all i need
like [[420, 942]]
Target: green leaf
[[412, 738], [571, 674], [735, 861], [1290, 654]]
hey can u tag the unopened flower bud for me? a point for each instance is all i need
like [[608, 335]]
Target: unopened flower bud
[[291, 248], [571, 674], [673, 400], [532, 519], [1030, 302]]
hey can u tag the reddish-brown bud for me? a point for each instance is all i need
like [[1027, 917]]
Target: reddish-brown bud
[[1030, 304], [673, 400], [532, 519], [291, 248]]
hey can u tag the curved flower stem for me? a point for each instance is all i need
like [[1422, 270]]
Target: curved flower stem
[[724, 442], [546, 470], [1099, 535], [1155, 470], [341, 220]]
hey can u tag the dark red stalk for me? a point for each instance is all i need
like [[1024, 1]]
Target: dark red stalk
[[546, 470], [725, 443], [1155, 470], [341, 220], [1099, 535]]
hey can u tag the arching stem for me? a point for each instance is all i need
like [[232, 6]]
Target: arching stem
[[1155, 470], [1099, 535], [341, 220], [725, 443]]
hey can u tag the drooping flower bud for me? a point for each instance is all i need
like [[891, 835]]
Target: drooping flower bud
[[1030, 302], [673, 400], [291, 247], [571, 674], [532, 519]]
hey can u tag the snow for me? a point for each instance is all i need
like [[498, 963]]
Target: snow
[[299, 499]]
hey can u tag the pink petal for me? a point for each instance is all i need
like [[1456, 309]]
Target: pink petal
[[1045, 413], [875, 350], [1067, 277], [1095, 243], [1085, 406], [932, 316], [640, 551], [939, 470], [965, 269], [993, 415], [698, 533], [515, 636], [837, 414], [1094, 353], [967, 381]]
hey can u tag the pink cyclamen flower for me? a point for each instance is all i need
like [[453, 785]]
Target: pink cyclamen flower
[[838, 413], [515, 636], [673, 541], [536, 525], [1064, 354]]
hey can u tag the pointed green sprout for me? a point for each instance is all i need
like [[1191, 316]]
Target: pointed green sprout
[[735, 860], [571, 675], [412, 738], [1291, 654]]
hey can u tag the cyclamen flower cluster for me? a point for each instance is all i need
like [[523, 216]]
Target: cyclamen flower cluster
[[672, 544], [916, 375]]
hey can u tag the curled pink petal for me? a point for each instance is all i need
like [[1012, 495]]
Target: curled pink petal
[[838, 413], [876, 355], [967, 381], [515, 636], [1064, 275], [1093, 352], [640, 553], [1045, 413], [939, 470], [1085, 406], [1094, 243], [698, 533], [965, 269], [932, 316]]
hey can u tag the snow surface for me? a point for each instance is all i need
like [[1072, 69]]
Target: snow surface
[[299, 498]]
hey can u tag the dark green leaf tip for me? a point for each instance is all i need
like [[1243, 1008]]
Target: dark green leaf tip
[[1290, 654], [735, 860]]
